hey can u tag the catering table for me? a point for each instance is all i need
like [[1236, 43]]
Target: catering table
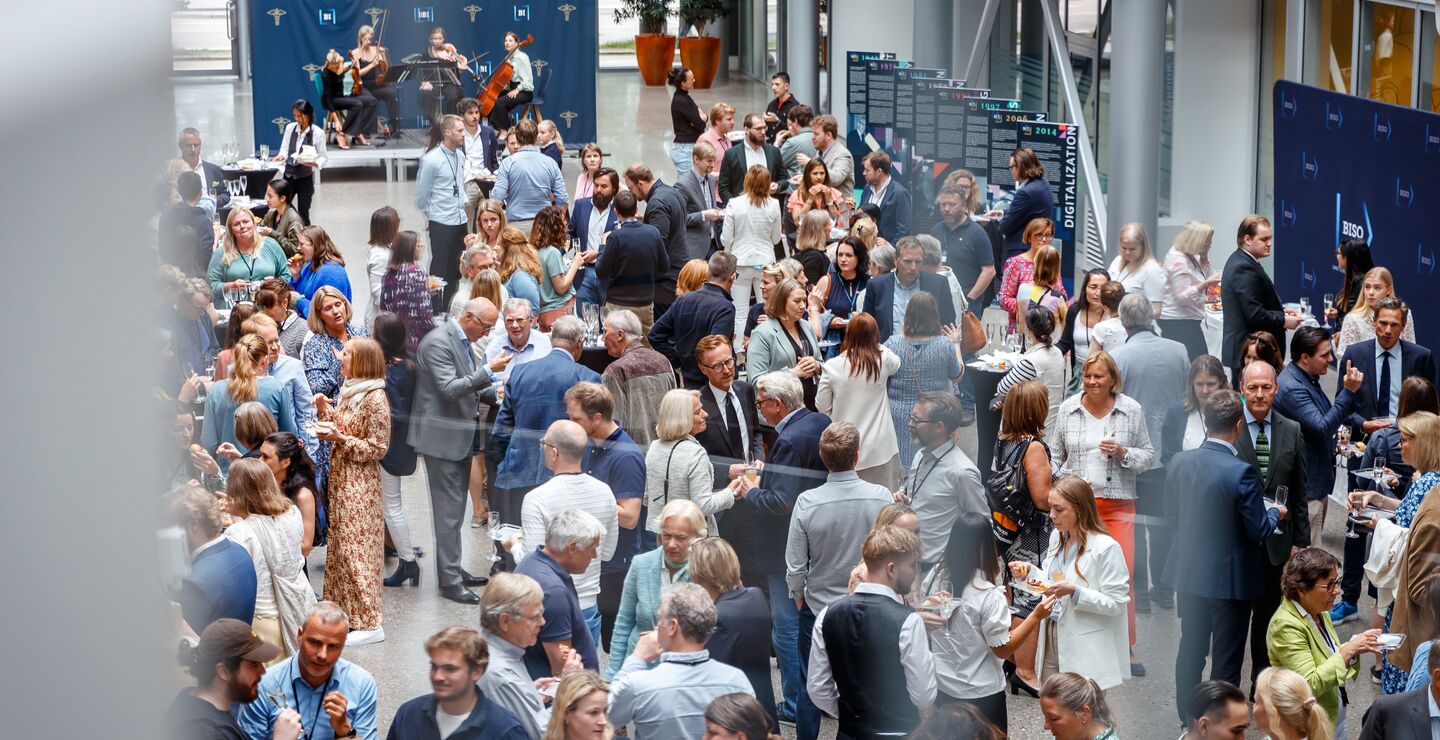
[[984, 379], [241, 181], [596, 358]]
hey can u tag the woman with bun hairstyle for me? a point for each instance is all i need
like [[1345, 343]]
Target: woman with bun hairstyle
[[1286, 710]]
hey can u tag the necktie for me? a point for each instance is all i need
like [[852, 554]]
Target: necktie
[[1262, 451], [1383, 391], [732, 425]]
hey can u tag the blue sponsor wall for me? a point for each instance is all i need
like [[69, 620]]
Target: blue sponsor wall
[[289, 39], [1347, 166]]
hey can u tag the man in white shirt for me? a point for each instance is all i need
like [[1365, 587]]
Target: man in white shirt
[[482, 158], [522, 340], [942, 482]]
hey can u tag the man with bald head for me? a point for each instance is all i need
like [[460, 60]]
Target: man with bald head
[[570, 488], [1273, 445], [445, 428]]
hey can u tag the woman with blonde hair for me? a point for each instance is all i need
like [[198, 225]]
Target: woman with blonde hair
[[1135, 267], [750, 232], [550, 142], [677, 466], [320, 264], [246, 382], [1359, 322], [771, 275], [810, 240], [520, 269], [1074, 708], [489, 224], [357, 426], [1286, 710], [1044, 289], [578, 711], [864, 229], [854, 388], [358, 106], [244, 258], [1189, 280], [787, 341], [692, 276], [270, 528]]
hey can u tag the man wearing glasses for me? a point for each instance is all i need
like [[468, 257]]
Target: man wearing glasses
[[754, 150], [732, 436], [941, 482]]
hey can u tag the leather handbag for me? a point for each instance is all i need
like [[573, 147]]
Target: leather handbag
[[972, 333]]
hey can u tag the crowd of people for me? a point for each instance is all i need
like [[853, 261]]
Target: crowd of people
[[726, 427]]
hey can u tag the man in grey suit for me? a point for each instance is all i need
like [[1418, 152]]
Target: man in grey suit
[[445, 428], [703, 212], [1273, 445], [1153, 371]]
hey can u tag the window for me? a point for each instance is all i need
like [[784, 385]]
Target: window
[[1329, 64], [1429, 97], [1387, 53]]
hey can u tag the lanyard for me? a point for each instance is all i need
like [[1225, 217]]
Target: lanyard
[[250, 263], [454, 171], [915, 493], [319, 703]]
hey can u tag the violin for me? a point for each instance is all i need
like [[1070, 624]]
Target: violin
[[500, 80], [357, 87]]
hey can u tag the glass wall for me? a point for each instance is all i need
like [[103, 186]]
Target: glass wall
[[1330, 61], [1272, 69], [1387, 53], [202, 37], [1429, 88]]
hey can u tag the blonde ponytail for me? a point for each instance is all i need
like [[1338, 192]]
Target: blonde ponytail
[[1288, 700], [249, 355]]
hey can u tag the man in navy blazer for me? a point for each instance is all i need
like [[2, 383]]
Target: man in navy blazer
[[1301, 398], [888, 194], [1215, 564], [1408, 715], [697, 315], [1248, 294], [1406, 359], [592, 219], [880, 293], [1033, 199], [759, 525], [221, 582], [665, 210]]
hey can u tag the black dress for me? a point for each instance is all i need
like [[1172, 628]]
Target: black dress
[[360, 109], [383, 93]]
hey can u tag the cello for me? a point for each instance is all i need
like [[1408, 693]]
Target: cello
[[500, 80]]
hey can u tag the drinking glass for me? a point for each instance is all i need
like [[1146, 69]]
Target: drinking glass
[[1305, 305], [1282, 497], [1329, 304], [264, 152], [492, 521], [279, 699]]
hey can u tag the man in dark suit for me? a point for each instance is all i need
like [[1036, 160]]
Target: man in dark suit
[[907, 279], [703, 212], [187, 237], [591, 222], [732, 435], [1274, 446], [760, 523], [445, 429], [221, 581], [1248, 294], [1301, 398], [1033, 199], [1215, 564], [697, 314], [665, 210], [212, 177], [888, 194], [752, 150], [1413, 714], [633, 255]]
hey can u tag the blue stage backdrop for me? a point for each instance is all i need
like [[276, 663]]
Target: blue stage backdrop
[[1347, 166], [290, 38]]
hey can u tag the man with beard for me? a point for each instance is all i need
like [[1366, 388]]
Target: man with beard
[[752, 151], [591, 223], [227, 666], [855, 674], [457, 709]]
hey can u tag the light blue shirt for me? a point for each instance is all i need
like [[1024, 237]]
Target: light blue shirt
[[527, 182], [901, 302], [537, 346], [786, 421], [257, 718], [1252, 425], [669, 700], [291, 372], [1396, 376], [440, 187]]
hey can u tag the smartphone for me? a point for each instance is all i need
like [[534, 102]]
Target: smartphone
[[1390, 640]]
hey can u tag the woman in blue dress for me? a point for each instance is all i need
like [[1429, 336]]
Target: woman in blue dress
[[837, 294], [930, 361], [520, 266], [246, 382], [321, 265], [330, 329]]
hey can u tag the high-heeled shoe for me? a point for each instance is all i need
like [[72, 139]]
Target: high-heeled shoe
[[409, 570], [1017, 685]]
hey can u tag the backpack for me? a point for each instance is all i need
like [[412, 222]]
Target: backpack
[[1008, 494]]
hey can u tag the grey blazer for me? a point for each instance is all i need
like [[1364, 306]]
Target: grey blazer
[[447, 400], [770, 350], [1287, 468], [699, 233]]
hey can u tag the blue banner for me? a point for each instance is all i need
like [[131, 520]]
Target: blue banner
[[289, 39], [1347, 166]]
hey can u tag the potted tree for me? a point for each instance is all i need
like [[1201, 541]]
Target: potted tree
[[701, 53], [654, 49]]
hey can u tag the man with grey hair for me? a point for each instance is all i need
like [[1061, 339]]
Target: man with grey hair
[[887, 296], [212, 179], [638, 378], [335, 698], [1153, 371], [534, 399], [761, 522], [511, 614], [477, 257], [669, 700], [571, 489], [696, 315], [572, 542], [930, 261], [523, 340]]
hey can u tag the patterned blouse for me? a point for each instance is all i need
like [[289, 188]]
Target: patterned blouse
[[404, 291], [322, 361], [1125, 424], [1020, 269]]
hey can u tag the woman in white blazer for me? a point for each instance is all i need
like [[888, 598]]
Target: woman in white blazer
[[854, 388], [750, 232], [1086, 572]]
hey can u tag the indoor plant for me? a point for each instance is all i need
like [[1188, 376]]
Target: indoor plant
[[654, 49], [701, 53]]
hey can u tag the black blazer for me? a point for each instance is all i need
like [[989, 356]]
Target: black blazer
[[714, 439], [579, 227], [732, 171], [1251, 304], [1404, 715], [742, 639], [880, 295], [1414, 360], [665, 210], [1214, 555], [758, 525], [215, 183], [1033, 200], [491, 144], [1287, 468]]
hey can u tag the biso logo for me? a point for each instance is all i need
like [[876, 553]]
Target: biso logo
[[1334, 117], [1309, 166], [1382, 128], [1424, 260], [1404, 193], [1287, 214]]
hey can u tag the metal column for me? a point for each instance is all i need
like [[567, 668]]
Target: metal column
[[802, 36], [1136, 88]]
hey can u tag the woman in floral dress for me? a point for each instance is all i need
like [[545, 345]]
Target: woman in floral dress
[[358, 428], [330, 329]]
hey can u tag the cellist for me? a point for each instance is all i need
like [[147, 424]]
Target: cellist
[[522, 85], [371, 60], [444, 94]]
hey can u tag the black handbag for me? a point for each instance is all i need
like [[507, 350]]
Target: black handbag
[[1008, 493]]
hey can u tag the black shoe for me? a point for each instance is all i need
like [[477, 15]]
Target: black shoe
[[459, 594], [1163, 599], [472, 580], [1017, 685], [967, 418], [390, 552], [409, 570], [1137, 669], [1142, 606]]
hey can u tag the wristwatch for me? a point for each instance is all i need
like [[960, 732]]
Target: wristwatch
[[351, 733]]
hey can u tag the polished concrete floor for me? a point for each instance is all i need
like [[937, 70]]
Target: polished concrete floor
[[634, 127]]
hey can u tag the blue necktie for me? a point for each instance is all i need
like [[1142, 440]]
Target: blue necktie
[[1383, 391]]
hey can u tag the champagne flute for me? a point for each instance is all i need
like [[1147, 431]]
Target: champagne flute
[[1329, 304], [1282, 497]]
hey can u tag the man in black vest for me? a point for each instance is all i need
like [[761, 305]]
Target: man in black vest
[[858, 670]]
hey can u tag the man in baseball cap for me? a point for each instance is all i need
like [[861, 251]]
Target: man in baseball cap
[[227, 666]]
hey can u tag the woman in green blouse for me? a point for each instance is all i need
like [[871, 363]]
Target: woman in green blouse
[[244, 258]]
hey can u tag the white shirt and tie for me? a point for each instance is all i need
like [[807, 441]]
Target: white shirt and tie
[[723, 401]]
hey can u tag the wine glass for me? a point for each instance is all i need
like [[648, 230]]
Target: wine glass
[[1329, 304], [1305, 305], [1282, 497]]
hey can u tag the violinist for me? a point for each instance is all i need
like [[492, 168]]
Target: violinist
[[444, 94], [522, 85], [371, 60], [359, 107]]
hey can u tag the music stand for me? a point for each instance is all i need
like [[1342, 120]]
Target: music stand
[[436, 72]]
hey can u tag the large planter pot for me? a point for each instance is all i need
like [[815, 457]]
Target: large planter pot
[[655, 53], [702, 55]]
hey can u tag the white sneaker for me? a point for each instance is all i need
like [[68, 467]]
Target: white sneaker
[[365, 637]]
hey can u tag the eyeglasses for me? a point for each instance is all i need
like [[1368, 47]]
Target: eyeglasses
[[917, 420], [1332, 586], [543, 443], [759, 402], [721, 365]]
